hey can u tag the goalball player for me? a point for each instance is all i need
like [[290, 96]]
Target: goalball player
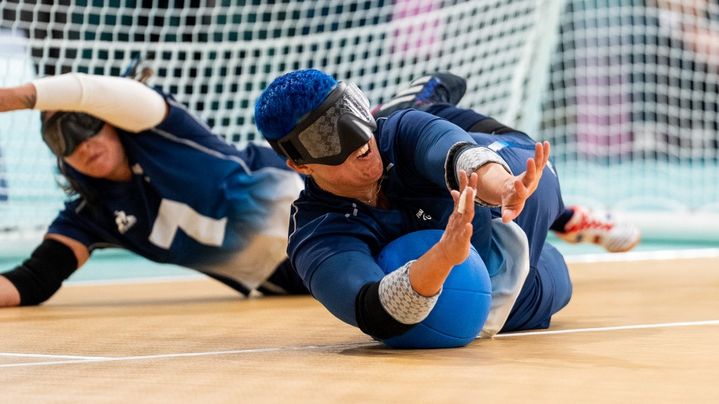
[[369, 182], [153, 179]]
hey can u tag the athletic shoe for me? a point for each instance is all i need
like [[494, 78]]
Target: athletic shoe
[[438, 88], [601, 229]]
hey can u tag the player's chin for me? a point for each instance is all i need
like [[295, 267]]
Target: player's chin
[[97, 172], [375, 170], [101, 168]]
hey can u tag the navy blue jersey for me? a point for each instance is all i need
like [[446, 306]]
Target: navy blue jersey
[[547, 287], [515, 147], [333, 240], [193, 201]]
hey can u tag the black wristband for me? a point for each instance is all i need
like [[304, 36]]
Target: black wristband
[[41, 275]]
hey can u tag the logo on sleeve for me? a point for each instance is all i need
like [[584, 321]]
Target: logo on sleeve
[[421, 215], [124, 221]]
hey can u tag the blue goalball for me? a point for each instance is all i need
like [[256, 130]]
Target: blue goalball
[[461, 309]]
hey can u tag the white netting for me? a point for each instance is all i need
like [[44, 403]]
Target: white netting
[[632, 107], [623, 98], [29, 196]]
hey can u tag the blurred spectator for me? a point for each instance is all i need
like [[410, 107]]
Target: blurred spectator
[[679, 80]]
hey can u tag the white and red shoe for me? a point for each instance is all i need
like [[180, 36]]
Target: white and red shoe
[[601, 229]]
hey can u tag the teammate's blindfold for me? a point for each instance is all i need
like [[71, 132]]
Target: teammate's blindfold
[[330, 133], [64, 131]]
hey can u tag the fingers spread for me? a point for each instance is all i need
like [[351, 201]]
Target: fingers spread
[[538, 152], [462, 201], [468, 187], [463, 180], [455, 196], [466, 201], [547, 150], [531, 172]]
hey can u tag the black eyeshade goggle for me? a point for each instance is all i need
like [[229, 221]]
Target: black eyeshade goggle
[[64, 131]]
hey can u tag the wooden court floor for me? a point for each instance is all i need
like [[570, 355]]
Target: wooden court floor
[[645, 331]]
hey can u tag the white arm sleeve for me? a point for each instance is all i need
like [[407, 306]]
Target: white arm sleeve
[[121, 102]]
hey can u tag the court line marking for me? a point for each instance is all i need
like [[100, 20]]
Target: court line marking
[[24, 355], [613, 328], [191, 354], [91, 359]]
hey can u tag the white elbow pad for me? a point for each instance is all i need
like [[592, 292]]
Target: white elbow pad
[[401, 301]]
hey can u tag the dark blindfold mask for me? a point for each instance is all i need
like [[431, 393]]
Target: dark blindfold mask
[[64, 131], [330, 133]]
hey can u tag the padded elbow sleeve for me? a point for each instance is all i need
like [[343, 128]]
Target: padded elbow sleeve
[[41, 275]]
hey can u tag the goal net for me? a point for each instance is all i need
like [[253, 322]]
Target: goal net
[[631, 105], [628, 101]]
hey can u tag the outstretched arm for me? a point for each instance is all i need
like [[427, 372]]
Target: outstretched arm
[[121, 102], [499, 187], [439, 150]]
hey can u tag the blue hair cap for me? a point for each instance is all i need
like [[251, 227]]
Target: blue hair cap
[[288, 98]]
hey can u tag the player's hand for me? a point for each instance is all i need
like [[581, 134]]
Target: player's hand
[[519, 188], [16, 98], [455, 241]]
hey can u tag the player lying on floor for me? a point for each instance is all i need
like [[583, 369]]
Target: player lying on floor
[[151, 178], [368, 183]]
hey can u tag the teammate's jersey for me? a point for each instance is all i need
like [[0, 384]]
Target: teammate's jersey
[[193, 201]]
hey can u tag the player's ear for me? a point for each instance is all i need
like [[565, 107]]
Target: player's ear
[[300, 168]]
